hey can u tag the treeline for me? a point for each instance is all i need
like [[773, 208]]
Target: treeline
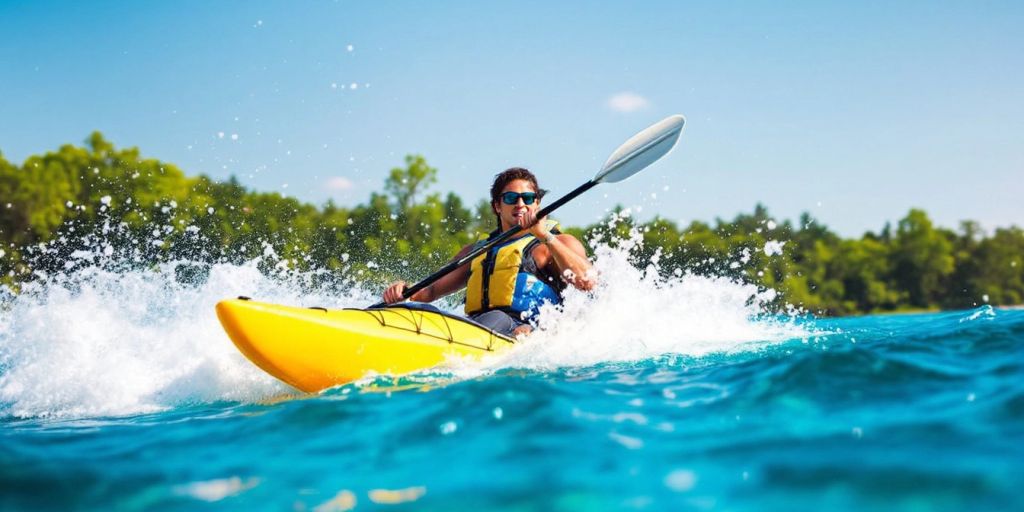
[[77, 204]]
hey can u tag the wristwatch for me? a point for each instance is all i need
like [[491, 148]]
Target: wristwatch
[[548, 238]]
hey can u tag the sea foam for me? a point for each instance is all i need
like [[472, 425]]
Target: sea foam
[[100, 340]]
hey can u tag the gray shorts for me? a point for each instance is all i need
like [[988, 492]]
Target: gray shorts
[[498, 321]]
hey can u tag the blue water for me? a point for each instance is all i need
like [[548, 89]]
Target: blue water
[[903, 412]]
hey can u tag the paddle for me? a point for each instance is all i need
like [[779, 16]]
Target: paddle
[[640, 151]]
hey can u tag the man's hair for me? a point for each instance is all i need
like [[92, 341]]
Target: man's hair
[[507, 176]]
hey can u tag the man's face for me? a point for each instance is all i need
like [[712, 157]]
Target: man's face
[[510, 213]]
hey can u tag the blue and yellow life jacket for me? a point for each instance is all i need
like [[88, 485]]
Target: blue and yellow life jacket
[[506, 278]]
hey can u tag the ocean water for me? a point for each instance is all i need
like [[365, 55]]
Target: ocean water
[[118, 390]]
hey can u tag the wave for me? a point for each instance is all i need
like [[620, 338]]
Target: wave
[[103, 339]]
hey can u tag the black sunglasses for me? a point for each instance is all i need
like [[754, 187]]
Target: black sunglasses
[[513, 197]]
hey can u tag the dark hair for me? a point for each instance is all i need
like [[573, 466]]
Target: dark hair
[[508, 176]]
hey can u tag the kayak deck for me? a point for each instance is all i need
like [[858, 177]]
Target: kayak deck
[[314, 348]]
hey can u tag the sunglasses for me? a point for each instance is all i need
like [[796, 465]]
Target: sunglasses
[[513, 197]]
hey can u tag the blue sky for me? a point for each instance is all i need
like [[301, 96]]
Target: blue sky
[[854, 111]]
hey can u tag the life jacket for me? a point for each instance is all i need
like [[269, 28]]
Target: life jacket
[[506, 278]]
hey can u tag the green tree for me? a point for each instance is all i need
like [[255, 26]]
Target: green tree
[[993, 271], [150, 211], [922, 259], [405, 183]]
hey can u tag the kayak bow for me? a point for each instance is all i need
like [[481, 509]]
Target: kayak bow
[[313, 349]]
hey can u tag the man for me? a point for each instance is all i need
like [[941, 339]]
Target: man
[[506, 285]]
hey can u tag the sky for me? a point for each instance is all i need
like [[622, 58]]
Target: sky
[[852, 111]]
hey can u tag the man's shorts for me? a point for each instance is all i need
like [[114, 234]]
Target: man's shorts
[[498, 321]]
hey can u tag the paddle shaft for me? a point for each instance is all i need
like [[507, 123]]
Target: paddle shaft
[[451, 266]]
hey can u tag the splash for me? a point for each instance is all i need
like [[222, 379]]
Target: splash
[[100, 343], [641, 313], [104, 339], [113, 335]]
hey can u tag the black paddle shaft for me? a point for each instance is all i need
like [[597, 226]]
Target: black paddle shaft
[[452, 265]]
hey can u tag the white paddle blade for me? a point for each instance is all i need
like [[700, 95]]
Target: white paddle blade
[[642, 149]]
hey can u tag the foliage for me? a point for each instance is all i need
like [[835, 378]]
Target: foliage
[[143, 211]]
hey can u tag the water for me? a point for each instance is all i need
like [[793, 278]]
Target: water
[[118, 390]]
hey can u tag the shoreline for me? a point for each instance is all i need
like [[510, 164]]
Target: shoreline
[[921, 311]]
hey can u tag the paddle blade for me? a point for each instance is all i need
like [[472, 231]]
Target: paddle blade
[[642, 149]]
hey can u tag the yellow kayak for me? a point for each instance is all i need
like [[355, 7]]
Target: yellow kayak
[[313, 348]]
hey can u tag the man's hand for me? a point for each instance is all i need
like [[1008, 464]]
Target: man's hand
[[393, 293], [537, 228]]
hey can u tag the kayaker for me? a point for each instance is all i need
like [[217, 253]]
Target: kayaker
[[506, 285]]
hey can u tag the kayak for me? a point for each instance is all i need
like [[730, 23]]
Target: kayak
[[313, 349]]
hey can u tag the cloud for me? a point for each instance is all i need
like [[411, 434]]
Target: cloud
[[627, 102], [340, 184]]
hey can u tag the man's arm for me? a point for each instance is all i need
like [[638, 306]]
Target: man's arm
[[449, 283], [569, 258]]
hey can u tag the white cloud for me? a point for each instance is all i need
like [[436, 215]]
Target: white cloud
[[627, 102], [340, 184]]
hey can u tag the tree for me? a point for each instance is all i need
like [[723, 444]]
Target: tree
[[994, 271], [922, 259], [405, 184], [146, 211]]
